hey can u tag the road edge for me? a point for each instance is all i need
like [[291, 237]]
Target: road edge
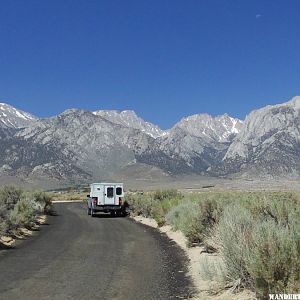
[[194, 257], [22, 234]]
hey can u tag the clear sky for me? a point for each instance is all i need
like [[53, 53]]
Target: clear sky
[[163, 59]]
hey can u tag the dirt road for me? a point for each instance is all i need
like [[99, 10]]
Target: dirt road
[[75, 256]]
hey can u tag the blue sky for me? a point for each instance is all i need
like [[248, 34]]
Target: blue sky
[[163, 59]]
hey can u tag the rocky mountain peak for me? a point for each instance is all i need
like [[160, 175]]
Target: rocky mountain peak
[[130, 119], [268, 144], [263, 125], [220, 128], [81, 144], [72, 111], [295, 101], [11, 117]]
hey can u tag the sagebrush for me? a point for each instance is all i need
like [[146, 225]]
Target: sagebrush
[[256, 234], [20, 209]]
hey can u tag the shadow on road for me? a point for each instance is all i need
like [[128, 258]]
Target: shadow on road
[[107, 216], [53, 213]]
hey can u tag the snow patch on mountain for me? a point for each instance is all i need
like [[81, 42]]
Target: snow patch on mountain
[[220, 128], [14, 118]]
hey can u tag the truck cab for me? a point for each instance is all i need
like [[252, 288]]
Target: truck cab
[[107, 198]]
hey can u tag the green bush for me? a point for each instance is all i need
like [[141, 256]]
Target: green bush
[[235, 233], [262, 250], [23, 213], [195, 218], [9, 196], [3, 217], [19, 208], [186, 217], [257, 234], [44, 200], [143, 205], [273, 258], [154, 204], [3, 226]]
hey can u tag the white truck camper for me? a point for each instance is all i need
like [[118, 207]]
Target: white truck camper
[[107, 198]]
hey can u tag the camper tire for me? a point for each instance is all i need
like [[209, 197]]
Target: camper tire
[[122, 213]]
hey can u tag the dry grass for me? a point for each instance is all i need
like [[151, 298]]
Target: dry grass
[[68, 196]]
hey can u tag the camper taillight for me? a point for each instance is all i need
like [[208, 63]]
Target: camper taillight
[[120, 201], [95, 199]]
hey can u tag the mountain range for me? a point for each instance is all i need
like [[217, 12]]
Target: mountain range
[[79, 146]]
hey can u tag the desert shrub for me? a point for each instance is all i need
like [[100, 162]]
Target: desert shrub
[[211, 211], [186, 217], [235, 232], [9, 196], [257, 234], [213, 269], [195, 218], [259, 250], [273, 206], [166, 194], [3, 227], [164, 206], [153, 204], [3, 217], [143, 205], [44, 200], [23, 213], [273, 258], [169, 203], [19, 208]]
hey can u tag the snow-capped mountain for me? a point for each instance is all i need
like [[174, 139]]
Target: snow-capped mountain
[[268, 144], [81, 145], [129, 118], [219, 129], [194, 144], [14, 118], [75, 144]]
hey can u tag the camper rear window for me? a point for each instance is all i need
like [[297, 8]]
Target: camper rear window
[[119, 191], [110, 192]]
